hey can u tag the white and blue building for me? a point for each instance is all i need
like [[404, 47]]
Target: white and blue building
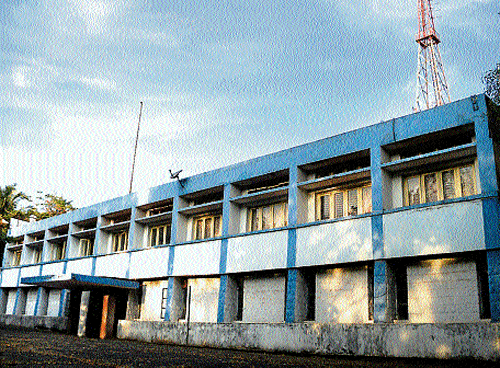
[[382, 241]]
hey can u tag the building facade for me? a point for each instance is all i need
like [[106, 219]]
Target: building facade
[[379, 241]]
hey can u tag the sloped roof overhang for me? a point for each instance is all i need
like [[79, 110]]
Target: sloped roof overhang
[[78, 281]]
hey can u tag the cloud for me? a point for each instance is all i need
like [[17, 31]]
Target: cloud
[[99, 83], [19, 77]]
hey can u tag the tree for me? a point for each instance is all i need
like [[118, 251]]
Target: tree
[[11, 199], [51, 205], [9, 208], [492, 81]]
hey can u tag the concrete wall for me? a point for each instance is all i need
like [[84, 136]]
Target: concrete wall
[[149, 263], [152, 300], [342, 295], [263, 251], [11, 301], [204, 299], [9, 277], [456, 227], [53, 323], [31, 296], [264, 299], [53, 303], [464, 340], [443, 290], [341, 241], [80, 266], [201, 258]]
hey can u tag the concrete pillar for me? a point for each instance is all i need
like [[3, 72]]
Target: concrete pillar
[[177, 305], [20, 305], [229, 303], [493, 260], [4, 295], [384, 308], [133, 305], [42, 302], [290, 297], [108, 316], [84, 311], [301, 297]]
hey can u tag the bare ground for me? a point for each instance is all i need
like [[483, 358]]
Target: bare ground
[[40, 348]]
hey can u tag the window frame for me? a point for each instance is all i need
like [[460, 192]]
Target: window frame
[[457, 183], [204, 219], [259, 211], [117, 241], [58, 251], [154, 230], [16, 257], [89, 247], [333, 193]]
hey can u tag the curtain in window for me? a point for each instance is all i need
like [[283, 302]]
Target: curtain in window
[[448, 184], [431, 190], [467, 181]]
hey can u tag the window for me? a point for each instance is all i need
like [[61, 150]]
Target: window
[[37, 255], [159, 235], [435, 186], [16, 257], [86, 247], [164, 299], [120, 241], [207, 227], [268, 217], [58, 251], [159, 210], [341, 203]]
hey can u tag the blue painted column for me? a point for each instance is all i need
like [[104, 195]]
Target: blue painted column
[[491, 205], [383, 285], [171, 255], [291, 287], [226, 218], [4, 295]]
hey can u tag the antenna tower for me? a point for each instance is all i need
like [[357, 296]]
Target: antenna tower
[[432, 88]]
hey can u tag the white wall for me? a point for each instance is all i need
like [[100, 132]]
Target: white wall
[[256, 252], [149, 263], [443, 290], [9, 277], [200, 258], [114, 265], [455, 227], [336, 242], [152, 300], [264, 299], [53, 303], [31, 302], [204, 299], [80, 266], [342, 295], [53, 268], [11, 301]]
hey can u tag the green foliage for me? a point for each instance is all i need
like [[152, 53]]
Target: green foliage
[[492, 81], [50, 205], [11, 207]]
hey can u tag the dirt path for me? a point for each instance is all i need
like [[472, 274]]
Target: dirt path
[[35, 348]]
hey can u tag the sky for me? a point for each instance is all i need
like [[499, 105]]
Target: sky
[[222, 81]]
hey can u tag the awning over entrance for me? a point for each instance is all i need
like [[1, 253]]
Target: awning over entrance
[[77, 281]]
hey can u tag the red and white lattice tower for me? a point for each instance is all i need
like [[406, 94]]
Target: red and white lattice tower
[[432, 89]]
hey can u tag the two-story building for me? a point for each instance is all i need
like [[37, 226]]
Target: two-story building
[[378, 241]]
